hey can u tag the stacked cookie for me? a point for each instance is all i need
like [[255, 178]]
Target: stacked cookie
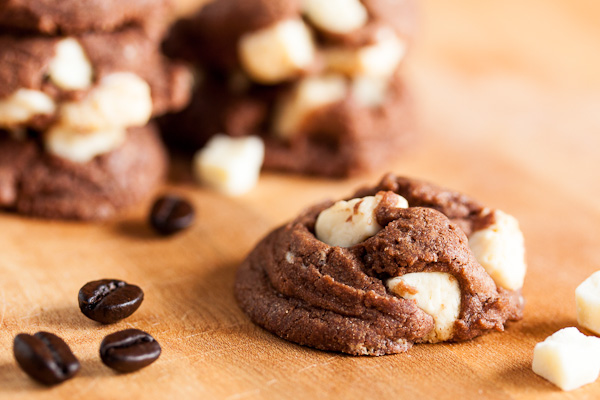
[[79, 82], [319, 81]]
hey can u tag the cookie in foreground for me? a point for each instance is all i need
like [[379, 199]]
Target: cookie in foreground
[[399, 263]]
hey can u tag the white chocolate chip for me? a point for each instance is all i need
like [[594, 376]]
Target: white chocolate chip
[[336, 16], [278, 52], [120, 100], [380, 59], [500, 249], [369, 92], [309, 95], [587, 296], [22, 105], [347, 223], [569, 359], [289, 257], [70, 68], [80, 146], [437, 294], [230, 165]]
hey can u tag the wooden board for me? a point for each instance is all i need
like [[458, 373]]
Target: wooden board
[[509, 107]]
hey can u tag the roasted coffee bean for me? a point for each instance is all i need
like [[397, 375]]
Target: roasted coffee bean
[[45, 357], [171, 214], [109, 300], [129, 350]]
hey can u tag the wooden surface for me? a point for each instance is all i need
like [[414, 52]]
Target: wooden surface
[[508, 100]]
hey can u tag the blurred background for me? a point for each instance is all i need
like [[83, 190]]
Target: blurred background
[[521, 77]]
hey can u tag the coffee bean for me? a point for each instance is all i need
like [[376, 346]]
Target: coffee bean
[[45, 357], [109, 300], [129, 350], [171, 214]]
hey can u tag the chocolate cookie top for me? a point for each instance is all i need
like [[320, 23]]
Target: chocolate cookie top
[[67, 17], [213, 36], [373, 275], [50, 65], [33, 182]]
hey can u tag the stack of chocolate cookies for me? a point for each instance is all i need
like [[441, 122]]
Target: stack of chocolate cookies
[[319, 81], [79, 83]]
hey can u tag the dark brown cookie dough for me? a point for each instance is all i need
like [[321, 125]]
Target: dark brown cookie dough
[[25, 62], [35, 183], [335, 298], [66, 17]]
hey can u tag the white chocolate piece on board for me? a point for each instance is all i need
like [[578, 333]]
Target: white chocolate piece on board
[[380, 59], [120, 100], [82, 147], [347, 223], [336, 16], [587, 298], [309, 95], [278, 52], [24, 104], [70, 68], [500, 249], [437, 294], [569, 359], [230, 165]]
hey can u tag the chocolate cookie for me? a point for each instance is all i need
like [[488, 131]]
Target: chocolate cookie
[[403, 262], [66, 17], [320, 86], [33, 182], [39, 73]]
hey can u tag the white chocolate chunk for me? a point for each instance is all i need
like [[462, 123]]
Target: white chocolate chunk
[[22, 105], [80, 146], [278, 52], [500, 249], [569, 359], [369, 92], [336, 16], [377, 60], [309, 95], [437, 294], [587, 297], [70, 68], [120, 100], [347, 223], [230, 165]]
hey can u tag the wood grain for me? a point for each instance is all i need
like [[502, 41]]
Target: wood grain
[[508, 99]]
